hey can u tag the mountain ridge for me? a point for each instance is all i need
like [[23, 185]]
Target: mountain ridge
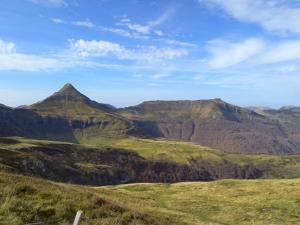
[[212, 123]]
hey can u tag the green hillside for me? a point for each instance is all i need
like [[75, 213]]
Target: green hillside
[[230, 202]]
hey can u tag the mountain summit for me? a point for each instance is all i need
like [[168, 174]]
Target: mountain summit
[[69, 89], [69, 103]]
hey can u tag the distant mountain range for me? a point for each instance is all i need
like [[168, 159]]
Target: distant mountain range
[[68, 115]]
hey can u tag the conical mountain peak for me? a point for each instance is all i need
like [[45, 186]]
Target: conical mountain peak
[[68, 89], [68, 86], [69, 102]]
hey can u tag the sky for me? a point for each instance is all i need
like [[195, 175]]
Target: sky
[[124, 52]]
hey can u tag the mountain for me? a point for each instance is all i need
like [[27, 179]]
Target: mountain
[[67, 115], [212, 123]]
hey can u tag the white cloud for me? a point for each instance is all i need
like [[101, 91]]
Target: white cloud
[[144, 29], [50, 3], [84, 53], [158, 76], [282, 52], [80, 23], [99, 48], [7, 47], [89, 24], [225, 53], [159, 32], [57, 20], [273, 15], [84, 23], [96, 48], [124, 33]]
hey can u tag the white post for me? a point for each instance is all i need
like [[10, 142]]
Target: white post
[[77, 218]]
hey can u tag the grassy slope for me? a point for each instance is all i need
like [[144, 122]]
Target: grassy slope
[[278, 166], [24, 199], [223, 202]]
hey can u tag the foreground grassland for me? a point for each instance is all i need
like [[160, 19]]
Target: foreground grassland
[[222, 202], [275, 166], [259, 202]]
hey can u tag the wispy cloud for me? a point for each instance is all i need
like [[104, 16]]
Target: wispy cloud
[[124, 33], [225, 53], [273, 15], [10, 59], [178, 42], [282, 52], [84, 23], [158, 76], [50, 3], [149, 27], [144, 29], [251, 52], [57, 20], [89, 24]]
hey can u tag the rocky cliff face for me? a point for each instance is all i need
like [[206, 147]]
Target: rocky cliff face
[[213, 123]]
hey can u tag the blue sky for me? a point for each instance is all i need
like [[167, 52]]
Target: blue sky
[[123, 52]]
